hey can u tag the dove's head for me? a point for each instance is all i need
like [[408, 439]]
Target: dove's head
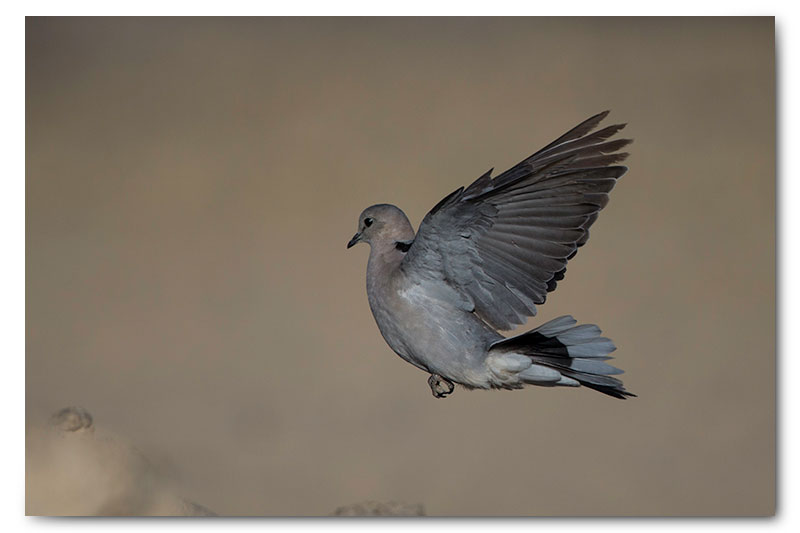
[[382, 225]]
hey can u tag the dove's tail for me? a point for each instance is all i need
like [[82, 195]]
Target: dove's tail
[[577, 353]]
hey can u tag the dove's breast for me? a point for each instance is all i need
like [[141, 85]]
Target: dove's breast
[[431, 329]]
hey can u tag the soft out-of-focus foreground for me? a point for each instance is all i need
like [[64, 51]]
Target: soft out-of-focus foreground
[[74, 469], [191, 185]]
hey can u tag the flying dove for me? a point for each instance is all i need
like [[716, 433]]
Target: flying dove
[[482, 260]]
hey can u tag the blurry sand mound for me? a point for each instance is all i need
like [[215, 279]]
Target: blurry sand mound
[[72, 419], [74, 469], [373, 508]]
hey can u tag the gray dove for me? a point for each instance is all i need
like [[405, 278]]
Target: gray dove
[[483, 259]]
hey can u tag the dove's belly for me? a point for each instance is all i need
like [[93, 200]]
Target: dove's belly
[[433, 333]]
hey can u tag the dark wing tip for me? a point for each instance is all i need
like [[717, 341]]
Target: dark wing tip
[[592, 122]]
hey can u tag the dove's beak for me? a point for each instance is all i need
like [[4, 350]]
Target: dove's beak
[[355, 240]]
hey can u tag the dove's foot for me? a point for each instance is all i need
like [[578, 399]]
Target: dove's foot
[[440, 387]]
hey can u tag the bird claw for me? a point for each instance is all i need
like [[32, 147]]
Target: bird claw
[[440, 387]]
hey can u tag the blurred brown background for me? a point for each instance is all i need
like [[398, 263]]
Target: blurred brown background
[[191, 185]]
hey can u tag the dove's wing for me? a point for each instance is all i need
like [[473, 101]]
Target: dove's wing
[[504, 243]]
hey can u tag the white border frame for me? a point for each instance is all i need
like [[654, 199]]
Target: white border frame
[[12, 238]]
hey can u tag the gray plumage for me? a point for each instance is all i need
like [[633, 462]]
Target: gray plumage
[[484, 258]]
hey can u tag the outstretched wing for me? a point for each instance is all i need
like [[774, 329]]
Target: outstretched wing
[[504, 243]]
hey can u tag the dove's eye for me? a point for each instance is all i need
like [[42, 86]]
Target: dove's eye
[[368, 222]]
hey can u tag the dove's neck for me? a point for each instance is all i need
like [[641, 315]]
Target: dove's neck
[[384, 261]]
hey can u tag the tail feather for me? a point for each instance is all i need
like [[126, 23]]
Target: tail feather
[[577, 352]]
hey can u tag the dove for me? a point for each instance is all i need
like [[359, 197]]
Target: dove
[[482, 260]]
